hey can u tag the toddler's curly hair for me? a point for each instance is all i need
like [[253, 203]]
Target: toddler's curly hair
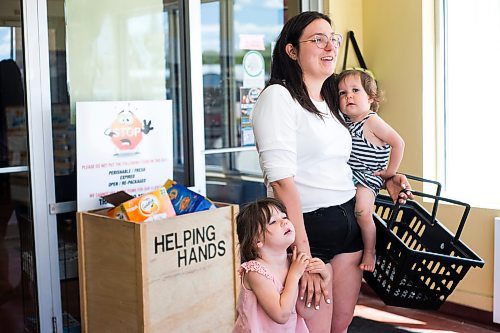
[[369, 84]]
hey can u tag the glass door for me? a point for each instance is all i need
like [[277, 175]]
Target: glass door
[[116, 50], [18, 287], [26, 289], [237, 41]]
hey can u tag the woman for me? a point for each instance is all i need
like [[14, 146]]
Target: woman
[[304, 147]]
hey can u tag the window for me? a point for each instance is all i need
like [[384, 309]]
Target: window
[[469, 157], [233, 31]]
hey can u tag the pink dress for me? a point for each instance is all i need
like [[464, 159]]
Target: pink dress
[[252, 318]]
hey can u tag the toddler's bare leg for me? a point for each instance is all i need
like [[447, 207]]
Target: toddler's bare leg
[[363, 210]]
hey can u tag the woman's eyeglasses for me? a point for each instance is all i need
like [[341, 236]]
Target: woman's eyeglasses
[[322, 40]]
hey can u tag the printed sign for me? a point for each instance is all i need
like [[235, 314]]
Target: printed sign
[[191, 246], [252, 42], [248, 97], [122, 146], [253, 70]]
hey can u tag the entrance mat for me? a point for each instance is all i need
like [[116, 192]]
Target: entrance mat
[[363, 325]]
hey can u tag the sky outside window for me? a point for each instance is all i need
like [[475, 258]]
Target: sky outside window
[[5, 43]]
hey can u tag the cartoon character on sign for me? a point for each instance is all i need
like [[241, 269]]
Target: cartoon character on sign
[[126, 131]]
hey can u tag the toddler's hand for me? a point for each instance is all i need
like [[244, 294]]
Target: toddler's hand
[[383, 174], [299, 263], [317, 265]]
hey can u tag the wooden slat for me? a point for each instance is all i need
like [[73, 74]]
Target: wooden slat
[[110, 279], [81, 271]]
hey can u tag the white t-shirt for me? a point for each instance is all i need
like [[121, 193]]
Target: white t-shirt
[[293, 142]]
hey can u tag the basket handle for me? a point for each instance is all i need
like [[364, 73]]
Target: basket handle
[[438, 190], [436, 198]]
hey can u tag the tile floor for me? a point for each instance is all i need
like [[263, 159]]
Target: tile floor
[[372, 308]]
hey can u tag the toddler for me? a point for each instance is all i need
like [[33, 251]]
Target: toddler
[[269, 275], [377, 150]]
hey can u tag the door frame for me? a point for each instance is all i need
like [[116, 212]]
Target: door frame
[[196, 96], [41, 167]]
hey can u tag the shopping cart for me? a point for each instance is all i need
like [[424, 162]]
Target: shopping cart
[[419, 262]]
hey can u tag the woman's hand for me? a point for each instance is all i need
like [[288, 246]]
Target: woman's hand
[[312, 286], [395, 185]]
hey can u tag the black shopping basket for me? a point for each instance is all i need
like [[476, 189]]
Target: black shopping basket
[[419, 262]]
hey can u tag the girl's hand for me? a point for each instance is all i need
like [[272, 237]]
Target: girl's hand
[[317, 265], [299, 263]]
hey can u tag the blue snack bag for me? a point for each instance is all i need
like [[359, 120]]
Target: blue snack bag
[[184, 200]]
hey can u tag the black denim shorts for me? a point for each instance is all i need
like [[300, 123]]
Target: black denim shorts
[[333, 230]]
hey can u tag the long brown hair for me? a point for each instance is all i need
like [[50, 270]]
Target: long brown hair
[[288, 73], [251, 223]]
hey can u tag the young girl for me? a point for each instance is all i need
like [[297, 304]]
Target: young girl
[[377, 150], [269, 275]]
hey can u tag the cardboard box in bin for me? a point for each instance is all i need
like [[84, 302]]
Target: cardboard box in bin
[[154, 205], [175, 275]]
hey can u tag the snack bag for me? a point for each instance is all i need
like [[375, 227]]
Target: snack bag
[[154, 205], [186, 201]]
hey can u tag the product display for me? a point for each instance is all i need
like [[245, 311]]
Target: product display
[[151, 206], [170, 200]]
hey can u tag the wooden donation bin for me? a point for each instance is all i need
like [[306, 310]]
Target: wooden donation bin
[[174, 275]]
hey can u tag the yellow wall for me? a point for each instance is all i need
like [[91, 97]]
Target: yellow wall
[[396, 39], [346, 15]]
